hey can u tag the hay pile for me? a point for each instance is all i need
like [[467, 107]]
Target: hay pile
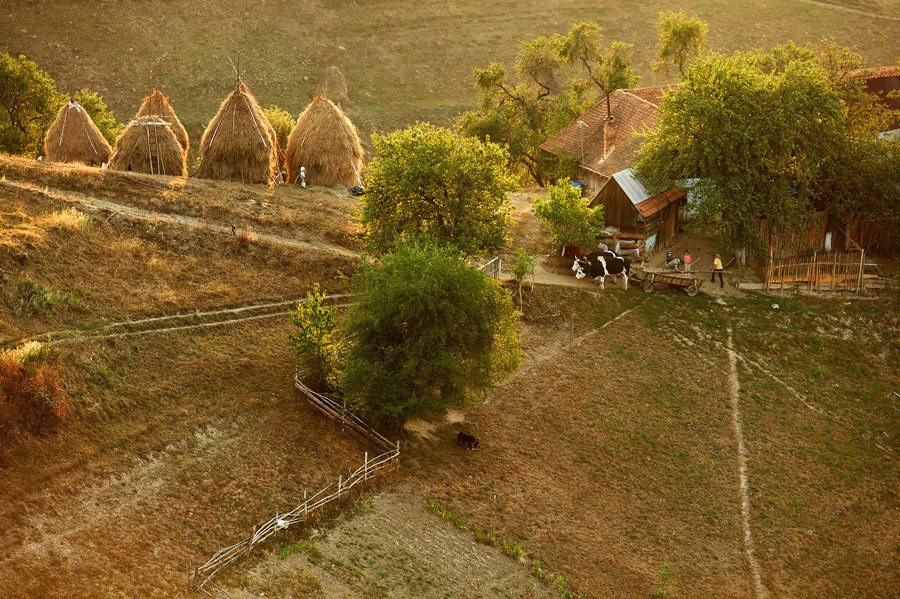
[[327, 144], [149, 145], [333, 86], [156, 104], [239, 143], [73, 137]]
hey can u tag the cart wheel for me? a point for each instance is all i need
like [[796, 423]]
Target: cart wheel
[[647, 286], [693, 290]]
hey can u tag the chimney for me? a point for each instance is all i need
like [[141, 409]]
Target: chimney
[[609, 136]]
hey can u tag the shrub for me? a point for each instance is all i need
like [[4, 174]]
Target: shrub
[[523, 266], [29, 297], [316, 339], [32, 397], [283, 123], [68, 219], [428, 330], [432, 181], [567, 216]]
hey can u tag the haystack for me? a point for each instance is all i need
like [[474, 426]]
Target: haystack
[[73, 137], [327, 144], [156, 104], [149, 145], [333, 86], [239, 143]]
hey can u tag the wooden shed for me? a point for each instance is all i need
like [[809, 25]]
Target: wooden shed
[[637, 219]]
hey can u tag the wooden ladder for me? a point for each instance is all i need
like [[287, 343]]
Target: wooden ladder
[[156, 166]]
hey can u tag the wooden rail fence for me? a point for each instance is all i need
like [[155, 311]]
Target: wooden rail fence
[[823, 271], [492, 267], [387, 460]]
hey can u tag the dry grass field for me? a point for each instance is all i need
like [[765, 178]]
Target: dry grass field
[[404, 61], [608, 464]]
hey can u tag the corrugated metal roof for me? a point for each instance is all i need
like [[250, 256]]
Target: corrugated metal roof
[[633, 188]]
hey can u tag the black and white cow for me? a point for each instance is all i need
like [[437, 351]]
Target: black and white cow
[[598, 265]]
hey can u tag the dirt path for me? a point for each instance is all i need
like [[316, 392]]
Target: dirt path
[[734, 392], [92, 204], [395, 548]]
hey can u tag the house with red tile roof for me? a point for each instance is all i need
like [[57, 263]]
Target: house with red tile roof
[[605, 147], [881, 81]]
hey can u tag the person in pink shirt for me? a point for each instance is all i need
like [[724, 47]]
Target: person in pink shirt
[[687, 259]]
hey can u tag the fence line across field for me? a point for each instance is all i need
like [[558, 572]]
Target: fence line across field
[[384, 462]]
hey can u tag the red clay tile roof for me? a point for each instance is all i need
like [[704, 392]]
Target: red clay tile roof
[[632, 111], [876, 72], [651, 206]]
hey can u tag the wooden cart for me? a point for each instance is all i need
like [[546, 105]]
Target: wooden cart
[[648, 277]]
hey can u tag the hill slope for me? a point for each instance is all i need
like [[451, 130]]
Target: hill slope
[[404, 61]]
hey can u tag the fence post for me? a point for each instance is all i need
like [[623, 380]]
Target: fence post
[[862, 259]]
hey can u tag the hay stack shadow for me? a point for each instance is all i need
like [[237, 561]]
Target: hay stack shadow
[[327, 144], [73, 137], [149, 145], [239, 143]]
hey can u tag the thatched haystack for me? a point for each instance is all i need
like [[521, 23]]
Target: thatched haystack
[[156, 104], [148, 145], [239, 143], [327, 144], [73, 137], [333, 86]]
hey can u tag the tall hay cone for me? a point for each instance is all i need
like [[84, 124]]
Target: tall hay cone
[[156, 104], [333, 86], [239, 143], [149, 145], [327, 144], [73, 137]]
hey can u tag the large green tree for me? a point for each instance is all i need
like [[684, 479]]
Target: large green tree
[[521, 111], [606, 67], [760, 133], [681, 39], [555, 79], [432, 182], [28, 105], [427, 331]]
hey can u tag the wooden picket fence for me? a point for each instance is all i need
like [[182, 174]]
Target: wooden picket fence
[[822, 271], [386, 461]]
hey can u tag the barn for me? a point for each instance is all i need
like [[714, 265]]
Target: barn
[[605, 142]]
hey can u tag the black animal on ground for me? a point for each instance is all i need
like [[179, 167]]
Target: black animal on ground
[[466, 440], [598, 265]]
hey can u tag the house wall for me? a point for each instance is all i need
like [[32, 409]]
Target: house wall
[[618, 211], [593, 182]]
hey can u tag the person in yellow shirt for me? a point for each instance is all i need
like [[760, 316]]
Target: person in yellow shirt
[[717, 268]]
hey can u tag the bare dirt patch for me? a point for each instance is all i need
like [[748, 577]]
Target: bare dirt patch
[[394, 548]]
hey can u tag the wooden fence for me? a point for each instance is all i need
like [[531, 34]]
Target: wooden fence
[[822, 271], [387, 460], [492, 267]]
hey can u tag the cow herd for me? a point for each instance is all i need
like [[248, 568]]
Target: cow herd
[[599, 265]]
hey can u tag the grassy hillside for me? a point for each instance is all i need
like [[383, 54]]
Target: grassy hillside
[[404, 61]]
